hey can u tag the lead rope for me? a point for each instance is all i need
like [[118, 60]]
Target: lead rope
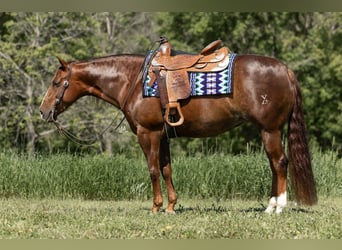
[[91, 141], [85, 142]]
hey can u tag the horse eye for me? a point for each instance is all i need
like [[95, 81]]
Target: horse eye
[[56, 84]]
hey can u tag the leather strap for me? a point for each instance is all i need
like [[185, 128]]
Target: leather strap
[[161, 81]]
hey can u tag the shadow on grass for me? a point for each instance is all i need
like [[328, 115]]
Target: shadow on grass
[[253, 210], [215, 207], [286, 209], [301, 210]]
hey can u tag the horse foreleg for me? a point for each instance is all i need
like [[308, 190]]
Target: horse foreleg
[[166, 170], [150, 144], [278, 162]]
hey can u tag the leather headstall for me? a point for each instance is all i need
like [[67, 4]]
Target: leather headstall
[[65, 86]]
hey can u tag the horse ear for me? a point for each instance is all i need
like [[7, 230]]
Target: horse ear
[[64, 64]]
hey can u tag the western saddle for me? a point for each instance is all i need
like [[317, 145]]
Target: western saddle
[[171, 73]]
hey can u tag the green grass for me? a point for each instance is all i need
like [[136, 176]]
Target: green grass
[[62, 176], [194, 219]]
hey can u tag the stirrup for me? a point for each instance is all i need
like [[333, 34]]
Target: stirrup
[[173, 105]]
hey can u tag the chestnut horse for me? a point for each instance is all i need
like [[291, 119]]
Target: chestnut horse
[[265, 93]]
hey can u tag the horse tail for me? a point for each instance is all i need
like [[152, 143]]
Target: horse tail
[[300, 168]]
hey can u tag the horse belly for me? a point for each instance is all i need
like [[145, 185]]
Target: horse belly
[[205, 117]]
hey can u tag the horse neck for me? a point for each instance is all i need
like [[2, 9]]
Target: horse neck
[[110, 78]]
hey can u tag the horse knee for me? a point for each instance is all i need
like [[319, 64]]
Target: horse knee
[[154, 173]]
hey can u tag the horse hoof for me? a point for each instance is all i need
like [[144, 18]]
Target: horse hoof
[[269, 210], [167, 211], [154, 210]]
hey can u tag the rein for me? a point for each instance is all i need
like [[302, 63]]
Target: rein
[[86, 142]]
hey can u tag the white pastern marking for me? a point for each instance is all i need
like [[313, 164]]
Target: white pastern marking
[[277, 203], [271, 205], [281, 202]]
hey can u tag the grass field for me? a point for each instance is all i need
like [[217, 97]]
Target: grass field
[[220, 196], [101, 177], [194, 219]]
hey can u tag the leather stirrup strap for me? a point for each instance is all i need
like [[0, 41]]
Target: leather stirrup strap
[[161, 82]]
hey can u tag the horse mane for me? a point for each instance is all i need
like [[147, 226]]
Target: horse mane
[[104, 58]]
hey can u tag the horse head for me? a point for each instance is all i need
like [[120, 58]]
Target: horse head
[[62, 92]]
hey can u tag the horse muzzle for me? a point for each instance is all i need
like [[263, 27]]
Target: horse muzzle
[[49, 116]]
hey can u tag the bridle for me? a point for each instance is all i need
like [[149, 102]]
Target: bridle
[[59, 97]]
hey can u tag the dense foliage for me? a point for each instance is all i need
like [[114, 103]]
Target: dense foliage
[[310, 43]]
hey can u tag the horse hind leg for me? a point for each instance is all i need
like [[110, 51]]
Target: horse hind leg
[[278, 163]]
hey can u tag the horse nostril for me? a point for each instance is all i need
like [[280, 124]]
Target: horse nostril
[[42, 115]]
